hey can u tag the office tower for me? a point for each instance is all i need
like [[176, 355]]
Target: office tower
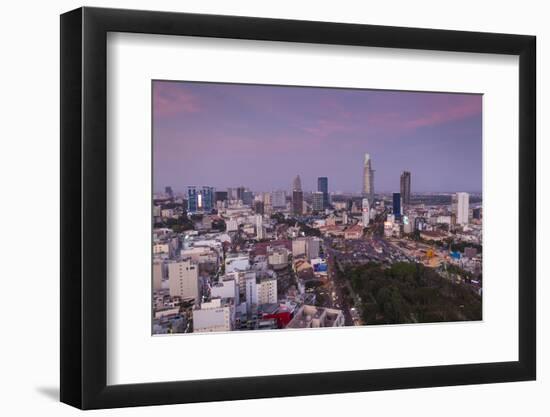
[[297, 184], [366, 212], [405, 187], [397, 206], [322, 186], [266, 200], [317, 201], [259, 207], [247, 197], [240, 193], [232, 194], [169, 192], [220, 196], [368, 178], [461, 207], [200, 199], [183, 279], [297, 202], [278, 198]]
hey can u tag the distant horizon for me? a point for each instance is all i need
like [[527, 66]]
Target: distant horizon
[[260, 136]]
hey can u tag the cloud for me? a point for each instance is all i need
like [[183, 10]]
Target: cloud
[[171, 99], [323, 128], [447, 113]]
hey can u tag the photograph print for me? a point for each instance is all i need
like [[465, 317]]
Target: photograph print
[[290, 207]]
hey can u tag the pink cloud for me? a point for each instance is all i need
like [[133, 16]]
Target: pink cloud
[[324, 128], [170, 101], [449, 113]]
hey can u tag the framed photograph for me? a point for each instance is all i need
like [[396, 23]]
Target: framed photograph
[[257, 208]]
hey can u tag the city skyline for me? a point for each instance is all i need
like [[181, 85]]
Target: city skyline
[[270, 141]]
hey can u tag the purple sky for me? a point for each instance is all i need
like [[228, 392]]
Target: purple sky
[[258, 136]]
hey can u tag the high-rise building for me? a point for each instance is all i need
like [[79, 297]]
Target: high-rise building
[[297, 196], [297, 202], [317, 201], [397, 206], [297, 184], [247, 197], [322, 186], [405, 187], [278, 198], [200, 199], [240, 193], [461, 207], [266, 200], [169, 192], [220, 196], [259, 220], [259, 207], [183, 279], [366, 212], [368, 178]]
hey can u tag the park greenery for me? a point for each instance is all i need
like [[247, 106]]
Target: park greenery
[[409, 293]]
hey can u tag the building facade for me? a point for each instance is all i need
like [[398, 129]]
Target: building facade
[[405, 187], [200, 199], [461, 205], [183, 279], [368, 178], [322, 187]]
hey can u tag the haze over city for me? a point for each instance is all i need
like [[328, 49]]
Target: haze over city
[[262, 136]]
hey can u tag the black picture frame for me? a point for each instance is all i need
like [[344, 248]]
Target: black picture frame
[[84, 207]]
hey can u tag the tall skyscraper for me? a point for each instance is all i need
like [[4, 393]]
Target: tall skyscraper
[[461, 207], [297, 196], [169, 192], [322, 186], [405, 187], [368, 178], [200, 199], [297, 202], [278, 198], [397, 206], [240, 193], [297, 184], [317, 201]]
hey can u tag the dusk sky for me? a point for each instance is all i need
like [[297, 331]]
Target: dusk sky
[[261, 137]]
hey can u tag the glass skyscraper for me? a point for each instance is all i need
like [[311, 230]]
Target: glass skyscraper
[[397, 205], [322, 186], [200, 199]]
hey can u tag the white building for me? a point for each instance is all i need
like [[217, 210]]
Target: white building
[[462, 207], [213, 317], [259, 221], [366, 212], [277, 257], [232, 225], [299, 246], [237, 262], [226, 288], [183, 279], [260, 291], [267, 291]]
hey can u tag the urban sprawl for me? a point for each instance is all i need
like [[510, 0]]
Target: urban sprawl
[[237, 260]]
